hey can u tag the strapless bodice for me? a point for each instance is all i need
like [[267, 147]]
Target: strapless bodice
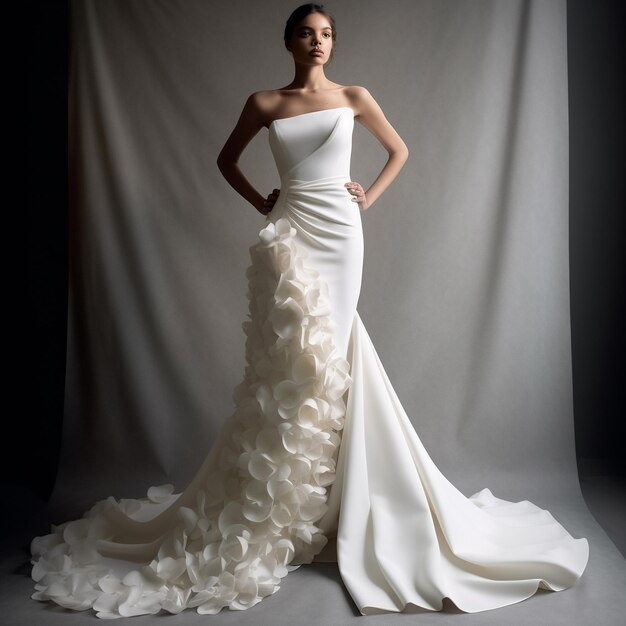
[[313, 145]]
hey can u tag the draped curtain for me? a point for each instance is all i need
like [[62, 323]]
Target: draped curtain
[[465, 289]]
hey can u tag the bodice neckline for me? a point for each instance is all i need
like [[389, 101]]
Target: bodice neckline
[[282, 119]]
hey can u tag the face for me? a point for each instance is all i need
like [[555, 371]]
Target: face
[[312, 33]]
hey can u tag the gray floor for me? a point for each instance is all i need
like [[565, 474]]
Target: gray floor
[[314, 594]]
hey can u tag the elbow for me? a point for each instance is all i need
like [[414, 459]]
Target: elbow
[[225, 161], [400, 151], [222, 163]]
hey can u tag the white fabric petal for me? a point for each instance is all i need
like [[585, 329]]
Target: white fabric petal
[[233, 548]]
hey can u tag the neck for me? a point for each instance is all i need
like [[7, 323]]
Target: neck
[[309, 78]]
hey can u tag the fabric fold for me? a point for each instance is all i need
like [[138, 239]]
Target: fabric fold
[[410, 537]]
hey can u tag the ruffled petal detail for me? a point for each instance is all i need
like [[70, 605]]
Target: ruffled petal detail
[[257, 513]]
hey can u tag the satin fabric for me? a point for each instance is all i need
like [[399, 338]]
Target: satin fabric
[[318, 448], [312, 153], [405, 534]]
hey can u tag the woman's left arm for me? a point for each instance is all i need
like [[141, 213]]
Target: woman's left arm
[[370, 115]]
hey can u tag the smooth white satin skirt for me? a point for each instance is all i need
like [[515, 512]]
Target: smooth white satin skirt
[[404, 533]]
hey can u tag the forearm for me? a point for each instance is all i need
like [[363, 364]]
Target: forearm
[[235, 177], [394, 164]]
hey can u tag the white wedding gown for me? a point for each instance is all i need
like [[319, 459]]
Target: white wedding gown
[[318, 447]]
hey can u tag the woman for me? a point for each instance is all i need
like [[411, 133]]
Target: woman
[[319, 446], [310, 35]]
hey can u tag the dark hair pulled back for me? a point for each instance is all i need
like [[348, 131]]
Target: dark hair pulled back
[[300, 13]]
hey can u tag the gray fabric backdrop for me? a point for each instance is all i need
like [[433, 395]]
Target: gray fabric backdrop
[[465, 288], [465, 291]]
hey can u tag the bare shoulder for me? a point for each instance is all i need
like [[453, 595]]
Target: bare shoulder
[[370, 115], [251, 119], [361, 100], [267, 98], [260, 104], [357, 91]]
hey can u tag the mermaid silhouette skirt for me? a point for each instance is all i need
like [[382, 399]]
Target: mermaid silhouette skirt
[[317, 448]]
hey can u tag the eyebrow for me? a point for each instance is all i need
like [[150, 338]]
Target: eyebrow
[[311, 28]]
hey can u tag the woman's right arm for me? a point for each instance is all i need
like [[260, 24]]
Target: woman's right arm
[[249, 123]]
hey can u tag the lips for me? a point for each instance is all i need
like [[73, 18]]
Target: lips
[[315, 52]]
